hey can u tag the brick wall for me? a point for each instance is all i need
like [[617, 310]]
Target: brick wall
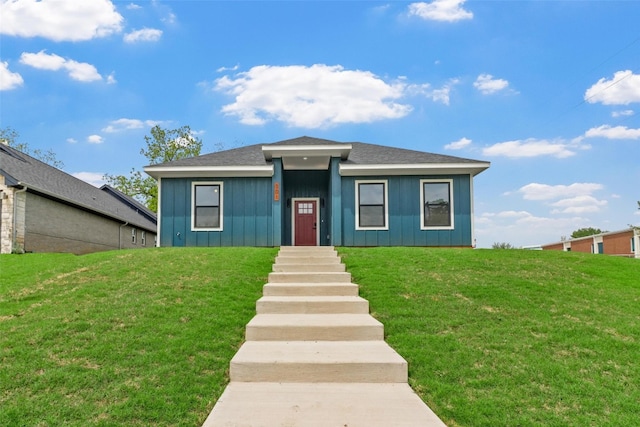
[[583, 245], [52, 226], [618, 244]]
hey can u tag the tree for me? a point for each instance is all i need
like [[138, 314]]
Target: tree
[[502, 245], [162, 146], [10, 137], [584, 232]]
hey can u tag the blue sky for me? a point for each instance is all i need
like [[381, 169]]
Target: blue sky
[[547, 91]]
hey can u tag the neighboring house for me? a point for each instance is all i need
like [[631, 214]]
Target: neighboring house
[[310, 191], [44, 209], [621, 243]]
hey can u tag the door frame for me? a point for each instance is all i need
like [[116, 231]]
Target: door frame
[[293, 217]]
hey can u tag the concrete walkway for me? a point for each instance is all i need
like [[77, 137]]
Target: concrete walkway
[[314, 357]]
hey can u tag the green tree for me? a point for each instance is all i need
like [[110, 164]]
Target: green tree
[[10, 137], [584, 232], [502, 245], [163, 145]]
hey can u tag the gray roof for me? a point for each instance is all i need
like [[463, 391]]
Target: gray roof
[[361, 154], [20, 169]]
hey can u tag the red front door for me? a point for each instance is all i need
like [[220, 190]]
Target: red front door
[[305, 217]]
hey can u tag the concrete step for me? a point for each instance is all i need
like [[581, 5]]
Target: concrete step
[[318, 361], [304, 259], [313, 277], [320, 405], [312, 305], [310, 289], [309, 268], [314, 327], [307, 249]]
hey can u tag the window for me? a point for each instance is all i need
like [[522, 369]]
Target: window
[[305, 208], [371, 203], [133, 235], [207, 206], [143, 238], [436, 204]]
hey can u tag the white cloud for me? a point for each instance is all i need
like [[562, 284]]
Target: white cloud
[[440, 10], [534, 148], [111, 78], [72, 141], [80, 71], [459, 144], [8, 79], [133, 6], [487, 85], [223, 69], [436, 95], [536, 191], [94, 178], [623, 89], [522, 228], [311, 97], [143, 35], [60, 20], [578, 205], [128, 124], [609, 132], [574, 199], [623, 113], [95, 139]]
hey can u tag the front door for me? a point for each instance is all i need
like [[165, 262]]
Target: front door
[[305, 222]]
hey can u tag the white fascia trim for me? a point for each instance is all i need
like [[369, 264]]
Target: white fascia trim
[[414, 169], [208, 171], [306, 150]]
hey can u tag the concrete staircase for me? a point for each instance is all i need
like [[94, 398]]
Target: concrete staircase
[[314, 356]]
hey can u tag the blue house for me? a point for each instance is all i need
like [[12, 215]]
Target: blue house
[[309, 191]]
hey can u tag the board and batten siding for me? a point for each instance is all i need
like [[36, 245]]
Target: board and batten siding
[[404, 214], [247, 213]]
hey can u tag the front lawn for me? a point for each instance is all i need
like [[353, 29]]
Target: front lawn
[[492, 337], [511, 337]]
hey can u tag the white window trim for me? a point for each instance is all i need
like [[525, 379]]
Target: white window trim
[[193, 210], [134, 236], [451, 207], [293, 217], [386, 204], [143, 238]]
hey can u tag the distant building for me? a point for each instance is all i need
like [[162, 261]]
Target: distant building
[[43, 209], [621, 243]]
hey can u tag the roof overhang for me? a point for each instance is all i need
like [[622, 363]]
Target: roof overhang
[[472, 169], [306, 157], [208, 171]]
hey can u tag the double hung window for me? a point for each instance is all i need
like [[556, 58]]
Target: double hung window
[[371, 205], [436, 204], [207, 206]]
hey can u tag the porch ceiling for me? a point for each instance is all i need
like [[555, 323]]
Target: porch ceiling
[[306, 157]]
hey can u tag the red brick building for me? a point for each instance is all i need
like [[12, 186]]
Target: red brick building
[[620, 243]]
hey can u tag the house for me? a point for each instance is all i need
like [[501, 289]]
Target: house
[[44, 209], [621, 243], [310, 191]]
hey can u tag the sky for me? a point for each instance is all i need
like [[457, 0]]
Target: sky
[[547, 91]]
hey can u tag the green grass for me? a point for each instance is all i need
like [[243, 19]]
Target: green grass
[[492, 337], [133, 338], [511, 338]]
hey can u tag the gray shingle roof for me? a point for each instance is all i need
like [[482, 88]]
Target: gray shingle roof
[[21, 169], [361, 154]]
